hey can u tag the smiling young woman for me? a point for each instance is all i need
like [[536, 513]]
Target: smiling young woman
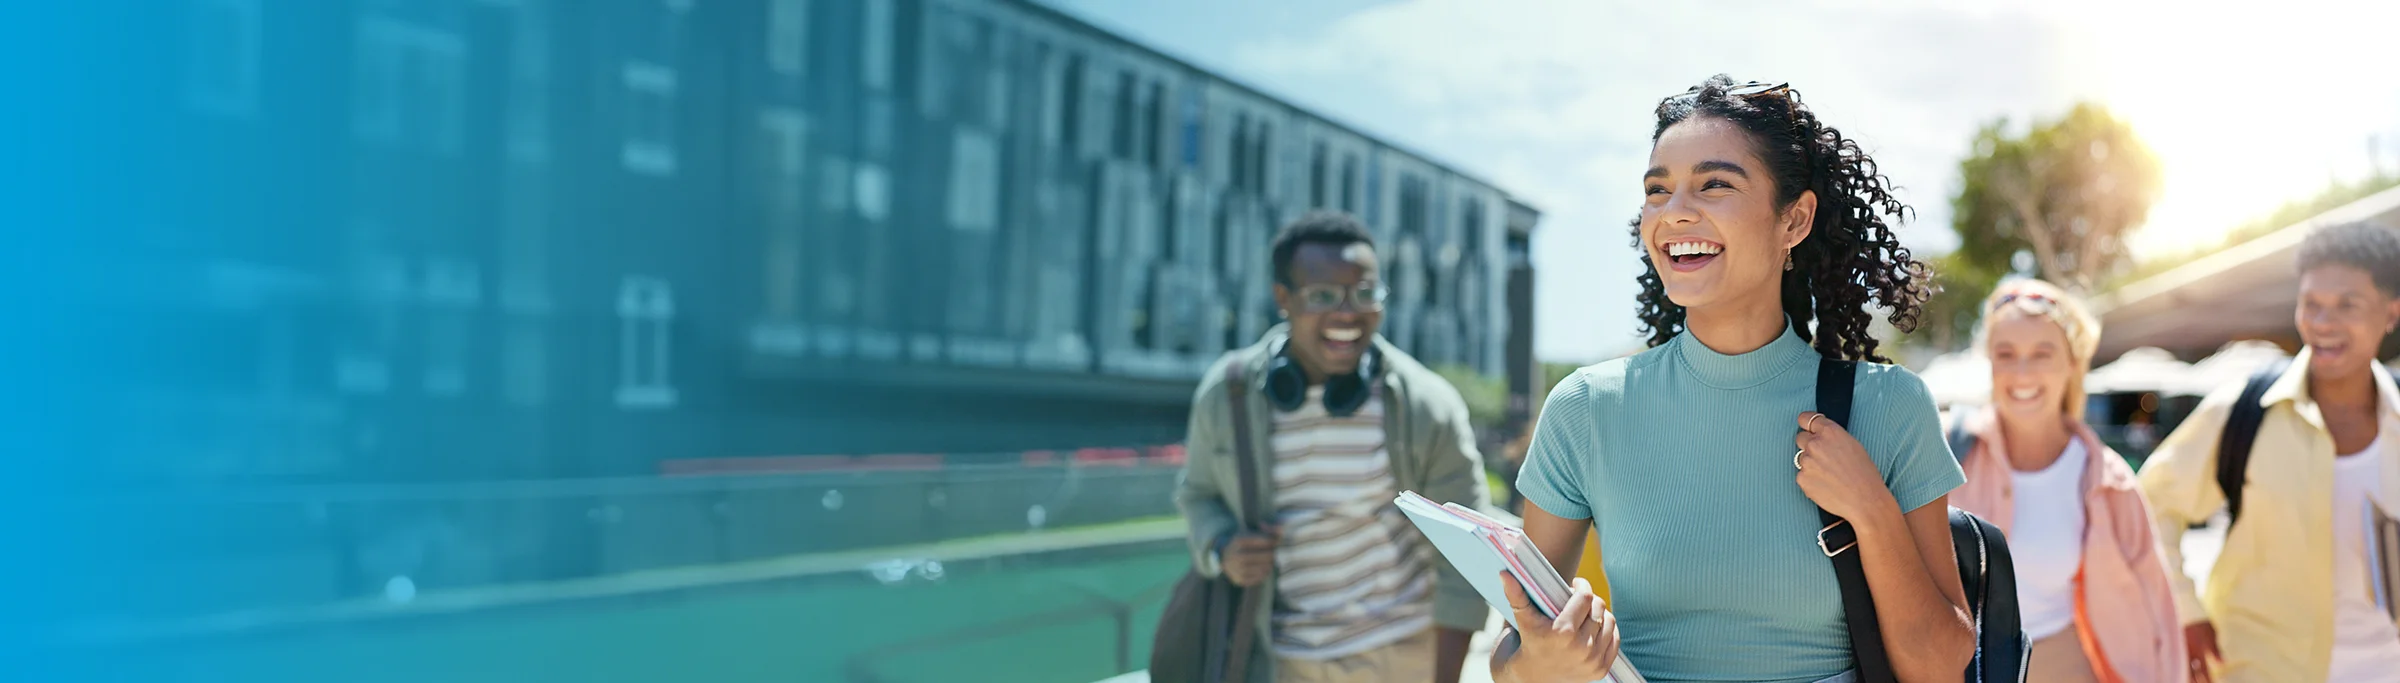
[[2094, 590], [1764, 238]]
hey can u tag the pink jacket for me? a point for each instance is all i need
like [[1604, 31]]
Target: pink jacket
[[2124, 606]]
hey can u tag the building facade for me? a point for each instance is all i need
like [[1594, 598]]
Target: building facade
[[543, 238]]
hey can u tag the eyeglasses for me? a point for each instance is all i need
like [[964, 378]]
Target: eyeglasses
[[1745, 90], [1365, 296]]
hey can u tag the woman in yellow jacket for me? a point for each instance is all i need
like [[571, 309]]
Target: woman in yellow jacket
[[2090, 582], [2288, 598]]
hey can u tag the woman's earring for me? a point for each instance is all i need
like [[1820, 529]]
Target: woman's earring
[[1787, 261]]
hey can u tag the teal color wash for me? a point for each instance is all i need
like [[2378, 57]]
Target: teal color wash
[[1682, 457]]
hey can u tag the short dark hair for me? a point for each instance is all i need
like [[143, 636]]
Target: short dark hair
[[2365, 246], [1316, 227]]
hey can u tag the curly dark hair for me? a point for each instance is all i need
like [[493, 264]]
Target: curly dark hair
[[1849, 258], [2366, 246]]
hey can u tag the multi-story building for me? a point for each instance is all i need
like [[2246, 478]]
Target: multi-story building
[[473, 239]]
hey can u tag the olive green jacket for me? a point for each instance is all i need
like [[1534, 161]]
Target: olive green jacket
[[1427, 435]]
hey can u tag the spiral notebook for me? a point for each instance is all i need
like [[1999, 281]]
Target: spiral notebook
[[1481, 547]]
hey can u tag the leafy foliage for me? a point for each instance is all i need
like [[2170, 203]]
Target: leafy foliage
[[1486, 396], [2066, 191]]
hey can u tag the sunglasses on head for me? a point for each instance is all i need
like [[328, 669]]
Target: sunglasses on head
[[1745, 90], [2035, 300]]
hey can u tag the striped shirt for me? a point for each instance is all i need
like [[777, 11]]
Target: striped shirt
[[1352, 574]]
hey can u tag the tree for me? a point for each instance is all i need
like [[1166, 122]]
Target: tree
[[2066, 191], [1949, 319]]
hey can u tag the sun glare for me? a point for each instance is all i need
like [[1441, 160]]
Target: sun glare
[[2246, 110]]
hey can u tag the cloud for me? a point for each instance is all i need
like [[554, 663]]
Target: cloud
[[1553, 99]]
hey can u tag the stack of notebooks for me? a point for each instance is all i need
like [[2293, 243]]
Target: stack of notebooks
[[1481, 547]]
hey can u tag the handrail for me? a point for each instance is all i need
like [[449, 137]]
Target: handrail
[[860, 667]]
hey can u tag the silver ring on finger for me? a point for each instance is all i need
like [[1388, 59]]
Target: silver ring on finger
[[1796, 457], [1811, 427]]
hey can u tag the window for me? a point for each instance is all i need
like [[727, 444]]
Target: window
[[954, 62], [525, 356], [1373, 210], [649, 146], [1070, 102], [877, 121], [974, 216], [872, 192], [221, 60], [1237, 153], [646, 315], [527, 128], [875, 65], [782, 149], [410, 86], [974, 181], [1260, 148], [1005, 58], [787, 37], [833, 279], [783, 145], [833, 187], [1153, 122], [1473, 225], [1193, 109], [1350, 183], [1316, 176], [1124, 128], [452, 288], [1412, 222]]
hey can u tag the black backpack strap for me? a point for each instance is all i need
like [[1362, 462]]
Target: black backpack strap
[[1835, 379], [1990, 578], [2241, 432], [1245, 616]]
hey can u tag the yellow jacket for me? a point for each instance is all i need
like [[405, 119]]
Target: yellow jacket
[[2270, 593], [1590, 568]]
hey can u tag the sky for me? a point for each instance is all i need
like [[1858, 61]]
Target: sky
[[1551, 100]]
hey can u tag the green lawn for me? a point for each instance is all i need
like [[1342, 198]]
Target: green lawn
[[793, 631]]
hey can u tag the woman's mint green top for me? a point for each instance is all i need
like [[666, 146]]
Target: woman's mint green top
[[1682, 458]]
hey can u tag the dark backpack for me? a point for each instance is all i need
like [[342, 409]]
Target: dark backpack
[[2241, 433], [1984, 568]]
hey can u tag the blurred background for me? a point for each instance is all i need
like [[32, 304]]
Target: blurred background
[[853, 340]]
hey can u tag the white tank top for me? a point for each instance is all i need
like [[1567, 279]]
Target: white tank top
[[2366, 646], [2046, 540]]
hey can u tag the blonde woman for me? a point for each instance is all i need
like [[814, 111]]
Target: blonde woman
[[2090, 579]]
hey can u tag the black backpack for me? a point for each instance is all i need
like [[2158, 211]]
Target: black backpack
[[1984, 568], [2241, 433]]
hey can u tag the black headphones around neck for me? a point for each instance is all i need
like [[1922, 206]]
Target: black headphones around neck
[[1287, 383]]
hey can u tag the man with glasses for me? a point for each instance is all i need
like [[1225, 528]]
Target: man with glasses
[[2299, 455], [1338, 422]]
